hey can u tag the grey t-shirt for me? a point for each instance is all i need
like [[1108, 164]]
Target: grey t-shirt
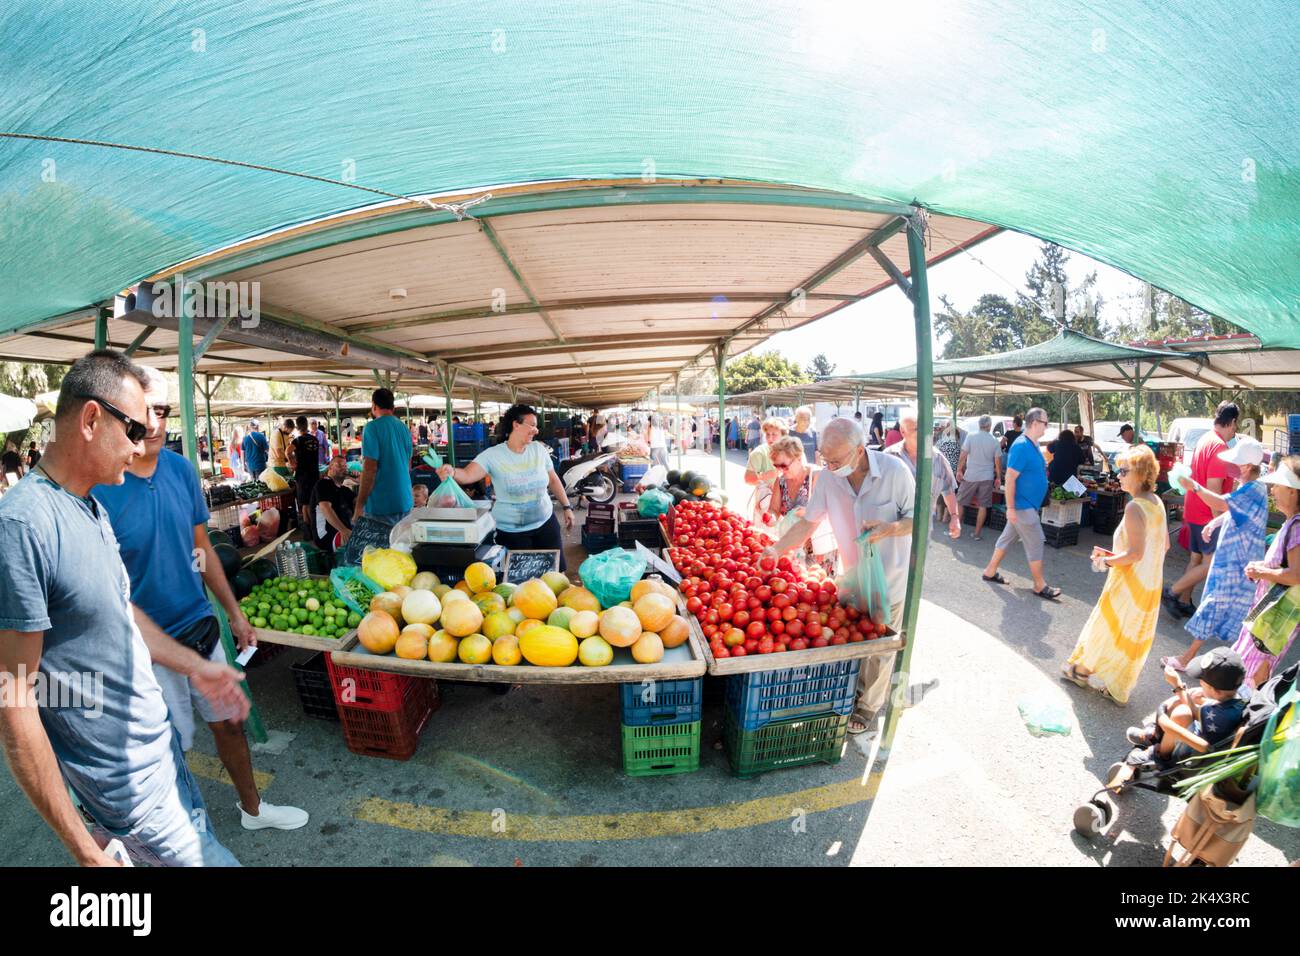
[[982, 451], [60, 573]]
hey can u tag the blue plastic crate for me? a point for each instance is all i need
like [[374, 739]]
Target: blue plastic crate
[[762, 697], [675, 702], [597, 543], [1293, 433], [632, 473]]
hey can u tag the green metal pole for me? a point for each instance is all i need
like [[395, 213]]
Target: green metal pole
[[101, 330], [1137, 401], [720, 357], [207, 411], [451, 429], [338, 419], [185, 371], [924, 461]]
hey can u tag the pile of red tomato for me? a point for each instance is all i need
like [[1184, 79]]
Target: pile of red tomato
[[748, 603]]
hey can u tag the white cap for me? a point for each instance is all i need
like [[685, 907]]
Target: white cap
[[1282, 475], [1246, 451]]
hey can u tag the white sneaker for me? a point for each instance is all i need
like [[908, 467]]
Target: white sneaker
[[269, 815]]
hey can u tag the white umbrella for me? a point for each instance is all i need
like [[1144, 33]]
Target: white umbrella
[[16, 414]]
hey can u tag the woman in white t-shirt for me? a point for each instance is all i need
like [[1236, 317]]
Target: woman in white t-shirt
[[523, 479], [657, 439]]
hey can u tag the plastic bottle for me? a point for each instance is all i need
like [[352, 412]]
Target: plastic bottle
[[300, 558]]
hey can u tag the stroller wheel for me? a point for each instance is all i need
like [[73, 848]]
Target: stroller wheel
[[1114, 770], [1093, 817]]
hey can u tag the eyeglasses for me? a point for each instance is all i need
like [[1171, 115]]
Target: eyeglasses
[[1121, 472], [781, 467], [135, 431], [162, 411]]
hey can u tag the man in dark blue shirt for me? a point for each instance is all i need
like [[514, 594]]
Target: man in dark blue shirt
[[255, 450]]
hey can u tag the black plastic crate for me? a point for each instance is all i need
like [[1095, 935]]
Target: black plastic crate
[[314, 689], [1061, 537], [997, 519], [1106, 523], [597, 543]]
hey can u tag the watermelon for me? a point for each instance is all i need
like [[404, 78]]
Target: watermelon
[[216, 537], [678, 495], [673, 477], [684, 481], [229, 559], [244, 583], [700, 486], [264, 568]]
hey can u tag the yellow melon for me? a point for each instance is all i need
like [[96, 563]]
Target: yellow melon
[[475, 649], [505, 651], [461, 618], [378, 632], [595, 652], [584, 623], [675, 632], [497, 624], [479, 578], [654, 610], [535, 599], [453, 595], [557, 582], [526, 625], [463, 588], [580, 599], [547, 646], [620, 626], [649, 585], [413, 642], [649, 649], [489, 601], [516, 615], [442, 647]]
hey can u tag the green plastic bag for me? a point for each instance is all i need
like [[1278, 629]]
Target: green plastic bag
[[350, 594], [1278, 796], [450, 495], [865, 582], [611, 574], [653, 503]]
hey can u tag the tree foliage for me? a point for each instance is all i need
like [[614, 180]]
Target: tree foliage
[[760, 370], [820, 367]]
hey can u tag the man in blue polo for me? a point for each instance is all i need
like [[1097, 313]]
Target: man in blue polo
[[160, 521], [255, 450], [1026, 487]]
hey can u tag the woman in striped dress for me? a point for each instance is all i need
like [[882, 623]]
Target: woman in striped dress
[[1280, 566], [1241, 517], [1115, 642]]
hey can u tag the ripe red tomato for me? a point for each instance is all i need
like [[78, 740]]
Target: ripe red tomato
[[820, 641], [842, 632], [756, 629], [765, 646], [813, 629], [781, 601], [751, 645], [788, 614], [798, 644], [795, 628], [708, 630], [806, 596], [753, 581], [740, 619], [882, 629], [778, 584], [739, 651], [754, 604], [725, 611], [776, 627], [733, 637], [856, 637], [694, 604], [722, 652], [711, 616], [763, 593]]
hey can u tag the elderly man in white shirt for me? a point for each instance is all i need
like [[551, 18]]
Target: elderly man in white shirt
[[942, 481], [863, 490]]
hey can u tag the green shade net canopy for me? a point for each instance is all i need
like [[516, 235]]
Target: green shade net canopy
[[1158, 138]]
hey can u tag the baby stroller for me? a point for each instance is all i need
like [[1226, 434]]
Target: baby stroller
[[1135, 773]]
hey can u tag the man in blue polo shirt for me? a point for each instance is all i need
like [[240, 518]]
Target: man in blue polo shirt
[[255, 451], [1026, 487], [160, 520]]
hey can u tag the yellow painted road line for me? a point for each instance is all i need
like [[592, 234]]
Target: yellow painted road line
[[639, 825], [210, 768]]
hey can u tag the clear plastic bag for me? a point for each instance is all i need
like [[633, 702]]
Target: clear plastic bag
[[611, 574], [450, 495], [865, 585], [1046, 716], [387, 567]]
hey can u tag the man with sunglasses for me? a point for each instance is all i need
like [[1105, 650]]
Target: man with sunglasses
[[1026, 488], [65, 611], [160, 520]]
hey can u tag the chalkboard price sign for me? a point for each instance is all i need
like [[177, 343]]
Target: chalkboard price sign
[[524, 565]]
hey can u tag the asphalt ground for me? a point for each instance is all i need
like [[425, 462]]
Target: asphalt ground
[[534, 778]]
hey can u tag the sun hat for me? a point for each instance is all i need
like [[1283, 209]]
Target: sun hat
[[1246, 451], [1282, 475]]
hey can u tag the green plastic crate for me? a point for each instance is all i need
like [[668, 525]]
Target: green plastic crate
[[784, 743], [661, 749]]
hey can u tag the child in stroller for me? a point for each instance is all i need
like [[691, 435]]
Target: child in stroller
[[1193, 718]]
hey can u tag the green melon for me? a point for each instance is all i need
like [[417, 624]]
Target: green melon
[[229, 559]]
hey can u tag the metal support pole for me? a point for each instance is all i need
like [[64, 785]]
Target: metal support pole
[[207, 411], [475, 393], [924, 461], [720, 357], [101, 329], [338, 419], [1137, 401], [681, 432], [185, 372]]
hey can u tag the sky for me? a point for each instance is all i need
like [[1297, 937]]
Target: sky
[[877, 333]]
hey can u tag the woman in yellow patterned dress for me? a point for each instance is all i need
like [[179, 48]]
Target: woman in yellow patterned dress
[[1117, 638]]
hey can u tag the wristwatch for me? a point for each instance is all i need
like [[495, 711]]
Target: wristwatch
[[567, 507]]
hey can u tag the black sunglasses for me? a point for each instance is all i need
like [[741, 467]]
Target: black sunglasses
[[135, 431]]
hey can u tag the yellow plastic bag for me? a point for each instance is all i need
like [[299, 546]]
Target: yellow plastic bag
[[388, 568]]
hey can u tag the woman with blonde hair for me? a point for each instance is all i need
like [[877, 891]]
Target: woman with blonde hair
[[794, 486], [1115, 642], [759, 471]]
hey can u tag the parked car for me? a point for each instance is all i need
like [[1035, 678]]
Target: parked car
[[1001, 424], [1188, 431]]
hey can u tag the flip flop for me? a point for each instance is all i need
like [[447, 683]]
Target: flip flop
[[996, 579], [1069, 673], [1049, 593]]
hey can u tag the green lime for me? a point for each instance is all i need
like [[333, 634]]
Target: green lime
[[258, 622], [300, 614], [308, 629], [354, 619], [263, 606]]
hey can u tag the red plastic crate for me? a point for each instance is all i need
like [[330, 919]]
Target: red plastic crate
[[393, 734], [371, 690]]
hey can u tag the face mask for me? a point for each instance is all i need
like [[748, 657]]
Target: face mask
[[845, 471]]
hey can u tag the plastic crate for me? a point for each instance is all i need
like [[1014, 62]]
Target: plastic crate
[[969, 514], [600, 525], [1293, 434], [598, 543], [784, 743], [763, 697], [393, 734], [370, 690], [675, 702], [632, 473], [1105, 522], [997, 518], [1061, 537], [605, 511], [660, 749], [1062, 514], [312, 679]]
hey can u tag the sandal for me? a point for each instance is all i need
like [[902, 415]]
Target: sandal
[[996, 579], [1073, 676], [1097, 684], [1049, 593], [863, 718]]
